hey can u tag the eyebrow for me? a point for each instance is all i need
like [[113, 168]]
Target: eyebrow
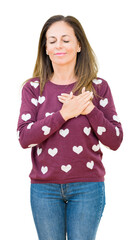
[[62, 36]]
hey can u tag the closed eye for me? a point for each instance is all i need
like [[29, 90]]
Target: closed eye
[[55, 41]]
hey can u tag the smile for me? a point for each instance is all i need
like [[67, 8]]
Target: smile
[[60, 54]]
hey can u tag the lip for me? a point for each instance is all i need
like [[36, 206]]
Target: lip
[[60, 54]]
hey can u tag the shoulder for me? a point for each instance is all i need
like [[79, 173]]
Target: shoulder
[[32, 85], [32, 82], [99, 82], [100, 85]]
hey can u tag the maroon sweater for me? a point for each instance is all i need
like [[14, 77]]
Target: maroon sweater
[[67, 151]]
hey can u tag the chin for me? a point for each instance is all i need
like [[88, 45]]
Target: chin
[[63, 61]]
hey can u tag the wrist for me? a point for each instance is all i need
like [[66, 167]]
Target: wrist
[[90, 108], [64, 116]]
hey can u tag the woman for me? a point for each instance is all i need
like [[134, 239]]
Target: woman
[[65, 111]]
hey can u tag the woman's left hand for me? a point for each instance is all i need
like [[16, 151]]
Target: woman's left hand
[[64, 97]]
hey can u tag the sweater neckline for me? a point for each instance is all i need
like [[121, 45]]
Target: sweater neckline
[[61, 85]]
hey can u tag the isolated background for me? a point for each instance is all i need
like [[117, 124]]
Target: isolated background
[[113, 30]]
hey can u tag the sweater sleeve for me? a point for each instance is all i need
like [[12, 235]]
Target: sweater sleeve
[[31, 131], [104, 119]]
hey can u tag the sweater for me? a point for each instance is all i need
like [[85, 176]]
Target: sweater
[[65, 151]]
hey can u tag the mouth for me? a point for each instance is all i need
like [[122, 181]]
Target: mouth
[[60, 54]]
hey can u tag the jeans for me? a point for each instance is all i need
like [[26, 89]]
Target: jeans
[[74, 209]]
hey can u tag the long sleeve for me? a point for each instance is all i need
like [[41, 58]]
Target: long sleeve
[[31, 131], [104, 119], [66, 151]]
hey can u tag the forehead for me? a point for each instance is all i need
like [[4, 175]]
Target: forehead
[[60, 29]]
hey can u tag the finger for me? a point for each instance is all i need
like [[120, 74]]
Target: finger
[[60, 100], [65, 94], [63, 97], [83, 89], [92, 96], [71, 93], [84, 94], [85, 97], [89, 94], [85, 106]]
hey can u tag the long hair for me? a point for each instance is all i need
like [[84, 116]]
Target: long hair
[[86, 64]]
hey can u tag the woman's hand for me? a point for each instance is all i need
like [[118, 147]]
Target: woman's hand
[[64, 97], [73, 106]]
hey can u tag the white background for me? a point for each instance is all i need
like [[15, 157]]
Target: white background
[[112, 28]]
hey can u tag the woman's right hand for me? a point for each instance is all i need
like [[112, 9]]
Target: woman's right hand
[[74, 106]]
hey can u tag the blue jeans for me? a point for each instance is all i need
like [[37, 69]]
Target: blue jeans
[[73, 208]]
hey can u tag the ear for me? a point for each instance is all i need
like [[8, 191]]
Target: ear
[[79, 47]]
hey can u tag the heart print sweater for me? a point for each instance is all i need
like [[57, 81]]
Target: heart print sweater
[[66, 151]]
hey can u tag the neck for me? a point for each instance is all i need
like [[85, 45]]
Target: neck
[[63, 74]]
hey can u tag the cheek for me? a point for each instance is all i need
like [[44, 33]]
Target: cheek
[[50, 49], [72, 50]]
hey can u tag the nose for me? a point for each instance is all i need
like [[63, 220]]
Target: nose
[[58, 44]]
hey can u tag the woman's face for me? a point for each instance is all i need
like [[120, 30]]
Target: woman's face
[[61, 45]]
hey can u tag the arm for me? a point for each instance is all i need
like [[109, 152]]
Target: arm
[[33, 132], [104, 120]]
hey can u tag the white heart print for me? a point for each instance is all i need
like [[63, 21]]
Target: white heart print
[[104, 102], [64, 133], [78, 149], [115, 117], [90, 164], [26, 117], [117, 131], [101, 130], [87, 130], [53, 152], [29, 125], [34, 84], [41, 99], [32, 145], [48, 114], [96, 148], [46, 130], [66, 168], [44, 169], [34, 101], [97, 81], [39, 151]]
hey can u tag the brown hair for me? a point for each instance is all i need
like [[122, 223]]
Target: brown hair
[[86, 64]]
